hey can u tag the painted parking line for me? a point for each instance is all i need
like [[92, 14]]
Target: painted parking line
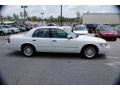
[[112, 57], [2, 42]]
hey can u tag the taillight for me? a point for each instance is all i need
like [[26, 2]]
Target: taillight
[[8, 40]]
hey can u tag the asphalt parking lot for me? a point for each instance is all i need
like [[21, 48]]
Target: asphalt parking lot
[[51, 68]]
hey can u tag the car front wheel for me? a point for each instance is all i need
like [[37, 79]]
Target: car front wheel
[[89, 52], [28, 50], [2, 34]]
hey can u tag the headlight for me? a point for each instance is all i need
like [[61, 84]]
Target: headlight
[[103, 44]]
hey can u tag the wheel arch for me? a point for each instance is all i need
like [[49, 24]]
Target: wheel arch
[[28, 45], [93, 45]]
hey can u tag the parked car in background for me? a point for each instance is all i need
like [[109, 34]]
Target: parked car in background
[[117, 28], [57, 39], [29, 27], [51, 24], [106, 32], [4, 31], [91, 27], [26, 27], [80, 29], [12, 29], [22, 29]]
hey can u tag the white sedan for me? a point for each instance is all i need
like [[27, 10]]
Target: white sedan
[[57, 39]]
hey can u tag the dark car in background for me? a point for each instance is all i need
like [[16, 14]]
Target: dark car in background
[[28, 27], [22, 29], [51, 24], [91, 27], [106, 32]]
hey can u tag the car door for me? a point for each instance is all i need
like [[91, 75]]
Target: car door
[[41, 40], [60, 42]]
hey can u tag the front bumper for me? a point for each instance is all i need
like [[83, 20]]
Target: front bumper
[[103, 50], [109, 37]]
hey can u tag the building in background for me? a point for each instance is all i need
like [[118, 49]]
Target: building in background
[[101, 18]]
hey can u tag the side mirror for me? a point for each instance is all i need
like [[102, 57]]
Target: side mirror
[[69, 37]]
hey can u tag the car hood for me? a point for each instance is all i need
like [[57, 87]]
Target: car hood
[[108, 32], [81, 32], [91, 39]]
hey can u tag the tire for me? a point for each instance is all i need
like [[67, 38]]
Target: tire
[[28, 50], [96, 35], [2, 33], [89, 52], [114, 39], [12, 32]]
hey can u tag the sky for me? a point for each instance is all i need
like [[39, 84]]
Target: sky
[[54, 10]]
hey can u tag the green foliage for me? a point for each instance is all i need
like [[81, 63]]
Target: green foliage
[[34, 18]]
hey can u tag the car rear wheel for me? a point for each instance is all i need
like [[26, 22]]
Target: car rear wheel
[[89, 52], [28, 50], [12, 32]]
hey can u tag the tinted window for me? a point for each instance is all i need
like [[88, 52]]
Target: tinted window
[[58, 33], [98, 28], [105, 27], [43, 33], [80, 28]]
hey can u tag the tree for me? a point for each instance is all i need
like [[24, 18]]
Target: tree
[[9, 18], [34, 18], [29, 18]]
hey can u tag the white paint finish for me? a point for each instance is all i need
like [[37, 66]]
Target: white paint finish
[[65, 45], [81, 32], [42, 44]]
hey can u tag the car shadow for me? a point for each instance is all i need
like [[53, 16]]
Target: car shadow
[[55, 55]]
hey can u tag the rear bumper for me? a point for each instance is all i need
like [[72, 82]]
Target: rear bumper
[[12, 47]]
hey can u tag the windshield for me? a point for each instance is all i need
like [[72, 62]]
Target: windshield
[[80, 28], [73, 34], [106, 28]]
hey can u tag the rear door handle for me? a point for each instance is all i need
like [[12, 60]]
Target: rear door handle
[[34, 40], [54, 40]]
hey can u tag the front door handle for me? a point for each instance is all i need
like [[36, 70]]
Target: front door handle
[[54, 40]]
